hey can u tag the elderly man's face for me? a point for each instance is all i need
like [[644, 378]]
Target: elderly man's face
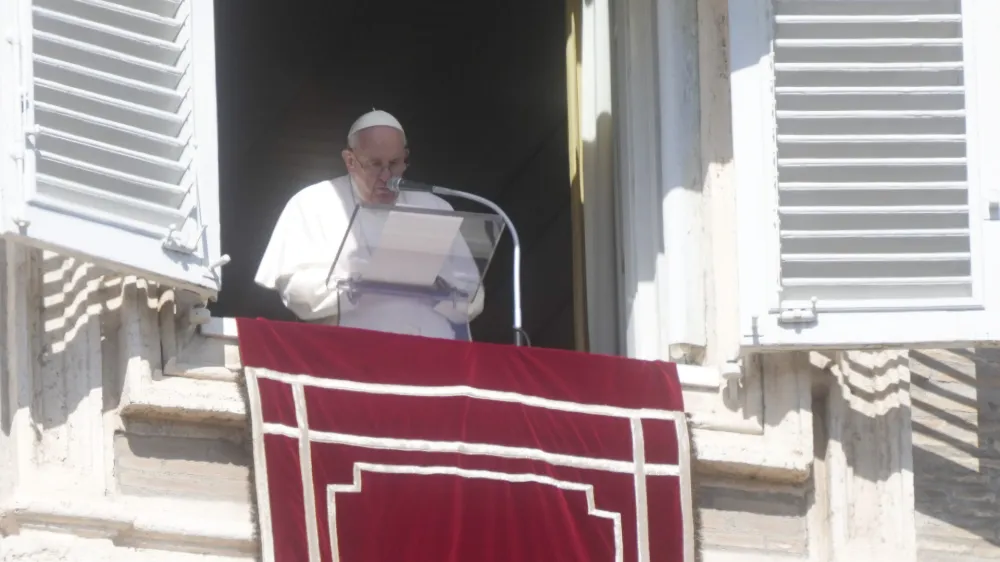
[[379, 155]]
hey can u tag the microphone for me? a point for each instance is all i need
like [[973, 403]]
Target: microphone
[[397, 184]]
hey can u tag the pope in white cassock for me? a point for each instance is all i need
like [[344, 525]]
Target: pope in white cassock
[[314, 222]]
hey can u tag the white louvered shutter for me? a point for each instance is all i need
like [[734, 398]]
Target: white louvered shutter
[[862, 138], [119, 136]]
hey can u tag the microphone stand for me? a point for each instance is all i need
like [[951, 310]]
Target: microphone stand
[[520, 336]]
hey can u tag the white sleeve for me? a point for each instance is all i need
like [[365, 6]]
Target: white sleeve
[[298, 259], [306, 293]]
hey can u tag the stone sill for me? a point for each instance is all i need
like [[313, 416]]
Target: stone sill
[[691, 376], [137, 522]]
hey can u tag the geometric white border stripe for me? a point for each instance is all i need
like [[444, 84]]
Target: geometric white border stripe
[[464, 448], [641, 502], [306, 470], [638, 468], [469, 392], [687, 494], [359, 468], [260, 467]]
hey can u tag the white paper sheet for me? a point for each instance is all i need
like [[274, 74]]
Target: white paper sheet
[[412, 248]]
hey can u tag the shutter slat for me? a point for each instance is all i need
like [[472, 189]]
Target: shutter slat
[[861, 114], [868, 91], [109, 109], [879, 281], [108, 131], [92, 80], [870, 42], [169, 172], [873, 187], [875, 138], [141, 22], [112, 120], [114, 62], [105, 37], [83, 196], [866, 66], [887, 162], [165, 8], [108, 179], [839, 19], [890, 292], [871, 152], [854, 258], [122, 104], [884, 233], [875, 210]]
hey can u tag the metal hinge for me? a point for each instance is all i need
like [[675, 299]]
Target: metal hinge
[[799, 315], [31, 135], [12, 38], [175, 242]]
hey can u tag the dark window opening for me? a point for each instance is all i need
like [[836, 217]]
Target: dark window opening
[[480, 89]]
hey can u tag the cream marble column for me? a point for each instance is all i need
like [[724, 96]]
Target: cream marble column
[[864, 502]]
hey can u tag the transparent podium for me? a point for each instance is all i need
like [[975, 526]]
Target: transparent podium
[[433, 257]]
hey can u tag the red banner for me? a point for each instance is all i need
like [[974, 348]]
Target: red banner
[[372, 447]]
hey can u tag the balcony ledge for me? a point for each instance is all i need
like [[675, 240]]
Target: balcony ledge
[[202, 385]]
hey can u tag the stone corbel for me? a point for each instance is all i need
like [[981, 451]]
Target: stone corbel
[[199, 377], [717, 398], [766, 431], [186, 350]]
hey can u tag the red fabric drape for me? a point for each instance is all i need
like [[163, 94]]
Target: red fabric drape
[[420, 449]]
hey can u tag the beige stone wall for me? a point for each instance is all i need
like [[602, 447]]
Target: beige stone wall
[[744, 518], [103, 456], [956, 453]]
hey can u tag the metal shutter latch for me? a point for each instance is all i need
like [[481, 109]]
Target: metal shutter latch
[[799, 315]]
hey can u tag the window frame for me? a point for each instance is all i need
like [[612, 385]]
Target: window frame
[[659, 182]]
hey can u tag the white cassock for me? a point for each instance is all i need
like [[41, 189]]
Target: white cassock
[[304, 245]]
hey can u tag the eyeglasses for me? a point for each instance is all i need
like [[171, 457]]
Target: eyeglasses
[[376, 167]]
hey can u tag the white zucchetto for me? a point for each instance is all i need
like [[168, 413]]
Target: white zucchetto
[[375, 118]]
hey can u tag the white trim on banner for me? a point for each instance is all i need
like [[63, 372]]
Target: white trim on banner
[[463, 448], [469, 392], [360, 468], [263, 503]]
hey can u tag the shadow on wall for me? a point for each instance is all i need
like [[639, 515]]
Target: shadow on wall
[[860, 487], [77, 358], [78, 298], [956, 449], [860, 482]]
